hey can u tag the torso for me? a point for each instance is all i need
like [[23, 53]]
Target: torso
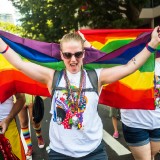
[[69, 135]]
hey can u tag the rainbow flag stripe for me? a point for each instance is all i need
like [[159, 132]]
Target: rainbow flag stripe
[[13, 81]]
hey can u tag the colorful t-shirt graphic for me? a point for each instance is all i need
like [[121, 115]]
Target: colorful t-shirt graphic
[[157, 91], [67, 114]]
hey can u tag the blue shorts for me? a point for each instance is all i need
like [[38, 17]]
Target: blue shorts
[[140, 137]]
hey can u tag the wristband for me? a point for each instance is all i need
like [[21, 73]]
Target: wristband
[[5, 50], [149, 48]]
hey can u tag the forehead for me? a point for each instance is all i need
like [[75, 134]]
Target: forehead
[[71, 45]]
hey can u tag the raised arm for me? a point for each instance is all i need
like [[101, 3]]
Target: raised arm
[[34, 71], [109, 75], [86, 43], [20, 101]]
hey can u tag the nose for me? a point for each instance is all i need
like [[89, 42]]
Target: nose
[[73, 58]]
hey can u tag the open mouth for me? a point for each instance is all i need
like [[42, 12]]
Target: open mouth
[[73, 64]]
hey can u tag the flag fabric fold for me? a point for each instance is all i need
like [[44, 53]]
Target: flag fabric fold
[[115, 47]]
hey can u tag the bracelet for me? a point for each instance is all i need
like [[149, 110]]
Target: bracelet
[[149, 48], [5, 50]]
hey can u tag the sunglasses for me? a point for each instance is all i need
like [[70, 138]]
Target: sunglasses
[[68, 55]]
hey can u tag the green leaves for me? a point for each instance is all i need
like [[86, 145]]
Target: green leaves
[[49, 20], [9, 27]]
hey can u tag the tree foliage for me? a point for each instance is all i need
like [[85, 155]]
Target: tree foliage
[[49, 20], [9, 27]]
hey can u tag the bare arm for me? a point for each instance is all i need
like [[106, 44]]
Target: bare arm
[[34, 71], [113, 74], [86, 43], [20, 101]]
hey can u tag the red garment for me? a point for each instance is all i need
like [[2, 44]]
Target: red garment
[[6, 150]]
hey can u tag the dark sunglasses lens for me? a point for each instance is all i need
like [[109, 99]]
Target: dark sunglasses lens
[[79, 54], [67, 55]]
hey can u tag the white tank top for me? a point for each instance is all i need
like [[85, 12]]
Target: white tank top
[[5, 108]]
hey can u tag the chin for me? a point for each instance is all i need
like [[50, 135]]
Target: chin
[[74, 71]]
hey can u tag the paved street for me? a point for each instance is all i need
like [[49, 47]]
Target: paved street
[[116, 149]]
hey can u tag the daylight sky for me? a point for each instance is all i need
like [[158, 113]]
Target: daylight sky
[[6, 7]]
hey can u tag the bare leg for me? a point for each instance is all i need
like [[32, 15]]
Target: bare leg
[[155, 147], [30, 109], [37, 128], [24, 120], [141, 152], [23, 117], [115, 124]]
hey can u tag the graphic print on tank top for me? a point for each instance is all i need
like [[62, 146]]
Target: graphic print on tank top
[[67, 114], [157, 91]]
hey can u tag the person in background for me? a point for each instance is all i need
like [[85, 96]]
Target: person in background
[[115, 115], [8, 111], [76, 129], [141, 128], [25, 116]]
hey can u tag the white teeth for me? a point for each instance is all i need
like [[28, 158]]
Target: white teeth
[[73, 64]]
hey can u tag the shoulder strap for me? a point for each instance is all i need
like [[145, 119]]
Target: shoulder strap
[[56, 79], [92, 75]]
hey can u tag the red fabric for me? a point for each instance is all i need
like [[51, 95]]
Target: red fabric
[[118, 101], [13, 81], [6, 150]]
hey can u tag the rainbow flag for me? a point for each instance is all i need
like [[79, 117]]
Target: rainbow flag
[[136, 91], [115, 47]]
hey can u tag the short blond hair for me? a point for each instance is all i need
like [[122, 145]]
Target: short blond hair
[[71, 36]]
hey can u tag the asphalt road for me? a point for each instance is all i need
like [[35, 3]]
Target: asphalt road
[[116, 148]]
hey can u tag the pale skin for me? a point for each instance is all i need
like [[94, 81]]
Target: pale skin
[[73, 65], [146, 152], [24, 113], [20, 101], [115, 124]]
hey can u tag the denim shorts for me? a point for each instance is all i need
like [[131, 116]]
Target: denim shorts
[[139, 136], [98, 154]]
